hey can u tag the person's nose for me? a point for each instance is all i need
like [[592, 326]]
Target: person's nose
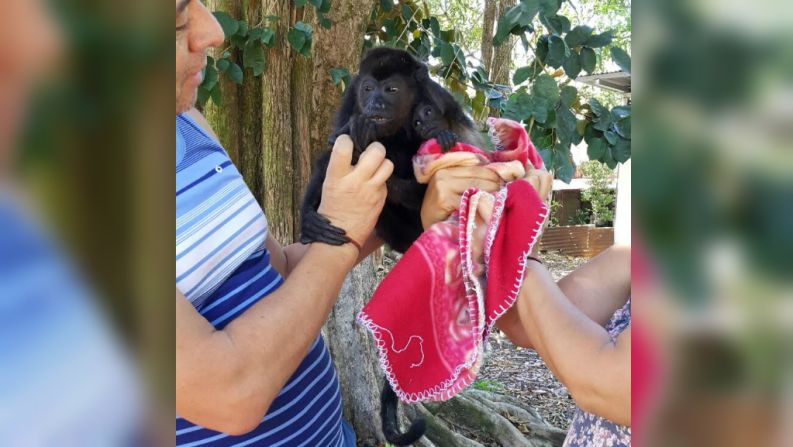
[[207, 32]]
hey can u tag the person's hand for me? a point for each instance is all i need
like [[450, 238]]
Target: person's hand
[[448, 185], [353, 196]]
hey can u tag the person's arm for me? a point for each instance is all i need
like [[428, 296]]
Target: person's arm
[[284, 259], [226, 379], [580, 352]]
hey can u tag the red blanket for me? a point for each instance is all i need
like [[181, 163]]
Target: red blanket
[[431, 315]]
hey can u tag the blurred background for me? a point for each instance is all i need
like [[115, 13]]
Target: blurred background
[[712, 198], [86, 211], [86, 322]]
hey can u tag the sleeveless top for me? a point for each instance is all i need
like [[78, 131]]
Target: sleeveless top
[[223, 268]]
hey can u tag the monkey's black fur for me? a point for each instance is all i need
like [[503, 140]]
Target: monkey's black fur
[[384, 103]]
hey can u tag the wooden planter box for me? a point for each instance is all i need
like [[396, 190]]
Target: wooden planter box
[[577, 240]]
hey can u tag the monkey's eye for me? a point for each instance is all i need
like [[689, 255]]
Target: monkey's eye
[[428, 111], [392, 89], [418, 123], [367, 88]]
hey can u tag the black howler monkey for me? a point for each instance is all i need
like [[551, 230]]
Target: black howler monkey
[[387, 102]]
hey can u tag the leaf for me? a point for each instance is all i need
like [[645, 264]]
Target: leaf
[[588, 59], [339, 74], [305, 28], [542, 48], [407, 13], [243, 30], [300, 3], [215, 94], [202, 97], [324, 21], [599, 40], [546, 154], [621, 150], [611, 137], [597, 108], [557, 25], [557, 52], [296, 38], [315, 3], [578, 36], [623, 128], [521, 74], [506, 23], [447, 53], [566, 125], [608, 158], [268, 37], [229, 24], [253, 58], [545, 87], [620, 112], [235, 73], [539, 109], [518, 107], [603, 123], [223, 65], [590, 134], [435, 26], [621, 58], [549, 7], [210, 76], [568, 95], [572, 66], [387, 5], [596, 148], [562, 165]]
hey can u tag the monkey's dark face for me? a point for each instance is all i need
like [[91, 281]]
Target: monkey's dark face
[[386, 102], [426, 119]]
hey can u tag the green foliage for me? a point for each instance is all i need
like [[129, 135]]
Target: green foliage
[[553, 219], [581, 217], [600, 195], [553, 111], [245, 47], [493, 386]]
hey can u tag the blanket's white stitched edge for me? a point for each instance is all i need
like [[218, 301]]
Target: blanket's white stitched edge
[[466, 263], [474, 313], [513, 296], [498, 210], [435, 393]]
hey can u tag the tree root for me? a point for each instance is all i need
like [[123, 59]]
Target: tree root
[[477, 418]]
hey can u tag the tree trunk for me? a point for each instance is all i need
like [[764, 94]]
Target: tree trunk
[[488, 23], [502, 55]]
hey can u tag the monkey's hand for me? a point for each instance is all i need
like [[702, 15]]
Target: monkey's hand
[[363, 132], [446, 139], [315, 227]]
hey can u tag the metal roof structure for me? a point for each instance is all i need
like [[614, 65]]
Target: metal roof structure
[[617, 81]]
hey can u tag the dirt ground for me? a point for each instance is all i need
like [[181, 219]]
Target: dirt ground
[[521, 373]]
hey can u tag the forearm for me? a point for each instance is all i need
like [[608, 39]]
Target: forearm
[[602, 285], [294, 253], [567, 339], [230, 380]]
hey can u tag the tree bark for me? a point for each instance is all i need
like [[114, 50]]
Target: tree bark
[[502, 54], [488, 23]]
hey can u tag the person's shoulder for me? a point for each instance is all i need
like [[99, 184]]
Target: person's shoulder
[[202, 122]]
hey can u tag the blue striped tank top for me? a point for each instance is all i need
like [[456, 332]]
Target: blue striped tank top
[[223, 268]]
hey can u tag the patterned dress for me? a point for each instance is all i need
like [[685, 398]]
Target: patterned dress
[[588, 430]]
